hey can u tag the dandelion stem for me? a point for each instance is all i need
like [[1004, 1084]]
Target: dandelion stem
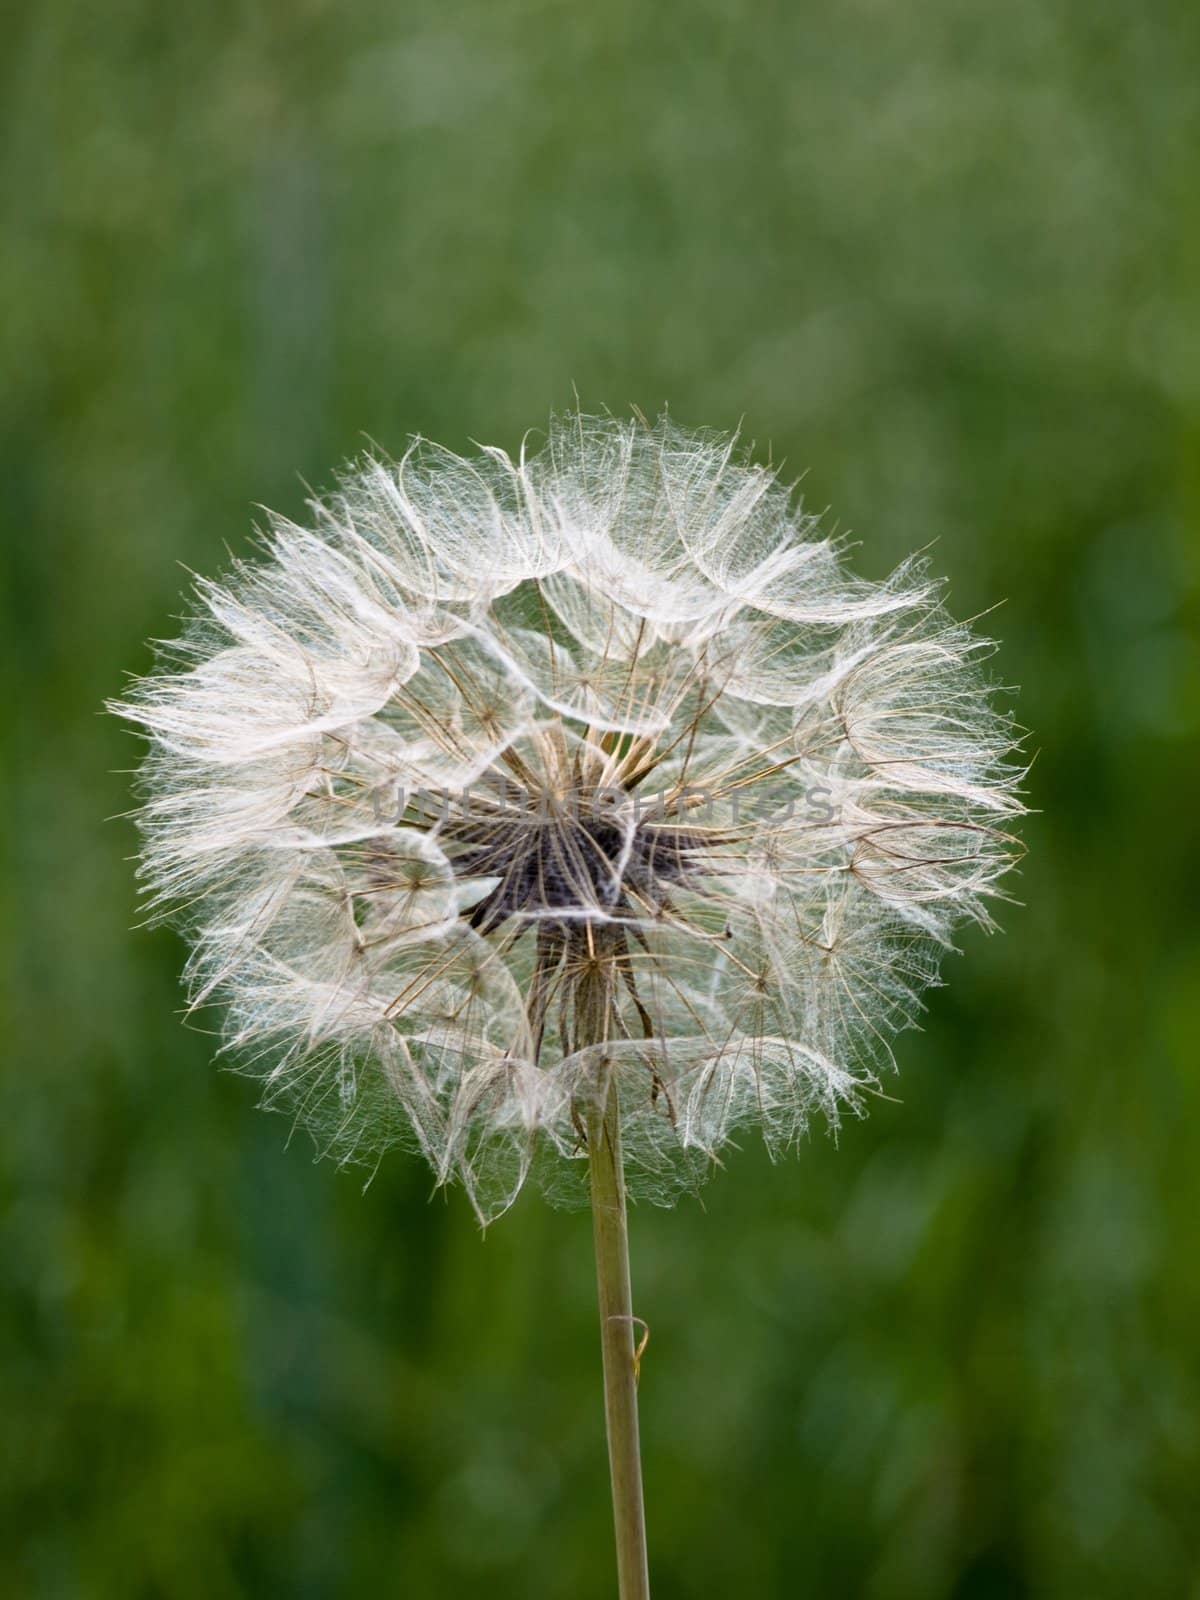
[[611, 1235]]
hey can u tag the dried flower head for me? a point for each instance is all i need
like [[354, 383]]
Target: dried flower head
[[613, 718]]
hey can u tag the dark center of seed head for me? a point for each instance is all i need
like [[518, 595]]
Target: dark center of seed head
[[576, 864]]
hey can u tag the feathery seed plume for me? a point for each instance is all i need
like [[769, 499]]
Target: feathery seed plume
[[608, 730]]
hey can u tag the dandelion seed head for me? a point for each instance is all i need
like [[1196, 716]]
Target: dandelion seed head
[[612, 709]]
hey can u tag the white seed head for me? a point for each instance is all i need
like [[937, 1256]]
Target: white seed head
[[611, 711]]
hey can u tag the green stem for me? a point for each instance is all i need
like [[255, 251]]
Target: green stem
[[611, 1235]]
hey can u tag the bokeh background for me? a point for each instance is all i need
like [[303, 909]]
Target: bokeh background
[[944, 260]]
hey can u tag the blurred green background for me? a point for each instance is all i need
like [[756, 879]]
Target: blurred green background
[[944, 260]]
